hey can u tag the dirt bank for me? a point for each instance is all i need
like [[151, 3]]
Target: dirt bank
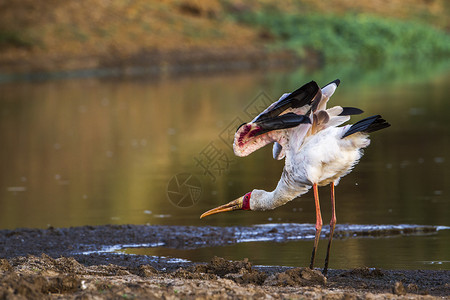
[[149, 63], [94, 37], [150, 37], [95, 244], [73, 263], [64, 278]]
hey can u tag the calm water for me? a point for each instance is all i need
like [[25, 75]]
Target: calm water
[[100, 151], [410, 252]]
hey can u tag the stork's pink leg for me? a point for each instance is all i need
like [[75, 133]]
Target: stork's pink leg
[[318, 225], [332, 225]]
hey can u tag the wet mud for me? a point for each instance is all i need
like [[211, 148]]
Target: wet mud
[[70, 263]]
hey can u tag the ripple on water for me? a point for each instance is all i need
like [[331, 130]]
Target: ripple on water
[[279, 232]]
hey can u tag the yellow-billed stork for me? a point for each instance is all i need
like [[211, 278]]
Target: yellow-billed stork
[[317, 152]]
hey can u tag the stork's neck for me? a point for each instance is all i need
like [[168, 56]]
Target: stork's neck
[[285, 191]]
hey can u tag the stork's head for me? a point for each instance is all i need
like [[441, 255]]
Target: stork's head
[[241, 203]]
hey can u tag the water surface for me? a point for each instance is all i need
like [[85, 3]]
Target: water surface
[[106, 150], [388, 252]]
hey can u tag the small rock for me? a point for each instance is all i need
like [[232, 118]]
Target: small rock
[[364, 272], [399, 289], [221, 267], [300, 277], [370, 296], [4, 265], [349, 296], [248, 276], [146, 271], [313, 275], [121, 272], [412, 288]]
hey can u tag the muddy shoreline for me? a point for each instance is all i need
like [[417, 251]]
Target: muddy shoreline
[[150, 63], [93, 244], [73, 263]]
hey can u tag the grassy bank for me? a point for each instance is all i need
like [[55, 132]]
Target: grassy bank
[[351, 37], [93, 34]]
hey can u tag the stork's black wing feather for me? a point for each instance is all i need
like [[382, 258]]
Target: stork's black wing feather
[[285, 121], [349, 111], [367, 125], [254, 135], [300, 97], [336, 81]]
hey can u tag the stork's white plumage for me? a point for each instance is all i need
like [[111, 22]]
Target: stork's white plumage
[[317, 152]]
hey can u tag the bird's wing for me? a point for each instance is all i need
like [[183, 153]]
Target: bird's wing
[[278, 151], [331, 117], [298, 102], [321, 118], [327, 91], [254, 135], [367, 125], [274, 123]]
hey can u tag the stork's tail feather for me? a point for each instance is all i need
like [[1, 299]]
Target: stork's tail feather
[[349, 111], [367, 125]]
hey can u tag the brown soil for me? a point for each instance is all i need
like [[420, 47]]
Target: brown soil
[[161, 37], [66, 273], [44, 277], [139, 36]]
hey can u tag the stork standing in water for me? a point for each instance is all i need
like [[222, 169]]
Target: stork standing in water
[[317, 152]]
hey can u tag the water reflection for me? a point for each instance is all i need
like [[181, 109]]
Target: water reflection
[[99, 151], [410, 252]]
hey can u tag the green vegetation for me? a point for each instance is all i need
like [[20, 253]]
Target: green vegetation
[[54, 36], [358, 38], [12, 38]]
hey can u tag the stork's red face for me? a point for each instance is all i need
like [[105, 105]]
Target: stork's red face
[[242, 203]]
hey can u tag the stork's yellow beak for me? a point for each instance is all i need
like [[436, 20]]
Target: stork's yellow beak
[[233, 205]]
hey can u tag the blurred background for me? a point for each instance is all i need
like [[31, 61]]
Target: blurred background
[[108, 107]]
